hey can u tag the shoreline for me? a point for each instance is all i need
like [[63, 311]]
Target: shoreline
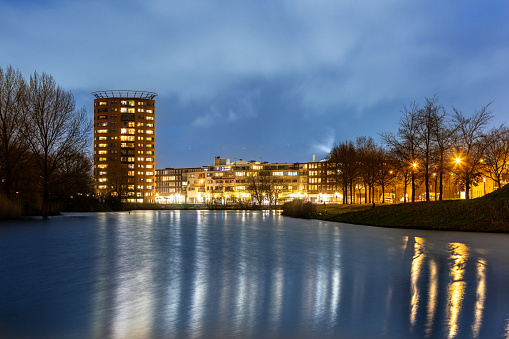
[[489, 214]]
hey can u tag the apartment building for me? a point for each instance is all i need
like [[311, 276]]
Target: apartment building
[[235, 182], [124, 145]]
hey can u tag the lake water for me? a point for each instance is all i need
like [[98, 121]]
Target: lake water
[[237, 274]]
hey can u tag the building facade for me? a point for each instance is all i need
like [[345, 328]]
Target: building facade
[[124, 145], [228, 182]]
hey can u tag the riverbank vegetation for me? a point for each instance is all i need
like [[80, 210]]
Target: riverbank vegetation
[[486, 214], [44, 142], [432, 150]]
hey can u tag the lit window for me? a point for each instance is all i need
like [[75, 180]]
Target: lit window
[[127, 131], [102, 166], [149, 132], [103, 152], [123, 110], [102, 159], [150, 111], [130, 173], [102, 131], [277, 173], [102, 145], [257, 167], [102, 187], [102, 103], [102, 180]]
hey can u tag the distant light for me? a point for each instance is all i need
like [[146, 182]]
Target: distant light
[[458, 160]]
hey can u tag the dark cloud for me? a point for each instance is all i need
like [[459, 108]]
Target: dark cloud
[[282, 80]]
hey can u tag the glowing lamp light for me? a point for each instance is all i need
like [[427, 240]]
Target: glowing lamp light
[[458, 160]]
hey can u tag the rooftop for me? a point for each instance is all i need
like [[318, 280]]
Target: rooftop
[[122, 93]]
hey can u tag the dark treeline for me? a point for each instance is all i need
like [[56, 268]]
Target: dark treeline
[[431, 145], [44, 139]]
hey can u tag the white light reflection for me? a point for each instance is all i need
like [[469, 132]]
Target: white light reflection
[[336, 288], [134, 299], [419, 255], [277, 284], [459, 255], [174, 289], [200, 284], [100, 307], [480, 297], [432, 296], [321, 290]]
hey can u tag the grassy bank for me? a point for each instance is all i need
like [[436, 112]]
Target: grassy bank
[[487, 214]]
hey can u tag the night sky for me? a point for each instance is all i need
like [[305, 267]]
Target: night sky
[[281, 80]]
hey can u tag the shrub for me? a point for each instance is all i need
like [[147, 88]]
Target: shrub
[[9, 209], [299, 209]]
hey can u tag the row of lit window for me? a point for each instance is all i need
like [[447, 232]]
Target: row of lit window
[[132, 110], [109, 137], [104, 166], [124, 103], [101, 117], [129, 131]]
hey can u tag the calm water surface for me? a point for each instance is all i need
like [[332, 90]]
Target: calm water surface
[[204, 274]]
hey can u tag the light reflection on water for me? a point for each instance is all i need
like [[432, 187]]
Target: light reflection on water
[[200, 274]]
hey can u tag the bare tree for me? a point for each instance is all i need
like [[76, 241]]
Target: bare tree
[[471, 143], [442, 135], [496, 158], [405, 144], [262, 186], [345, 158], [366, 149], [426, 118], [384, 174], [13, 150], [53, 128]]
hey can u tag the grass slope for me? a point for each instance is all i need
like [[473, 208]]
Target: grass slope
[[487, 214]]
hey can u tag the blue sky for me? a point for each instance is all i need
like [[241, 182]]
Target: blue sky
[[281, 80]]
